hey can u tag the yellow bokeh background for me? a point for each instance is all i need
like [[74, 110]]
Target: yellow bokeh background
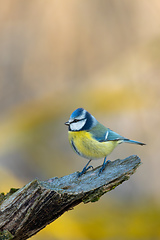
[[104, 56]]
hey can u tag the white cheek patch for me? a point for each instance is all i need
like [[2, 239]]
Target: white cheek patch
[[78, 125]]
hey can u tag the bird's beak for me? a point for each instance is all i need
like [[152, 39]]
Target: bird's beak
[[66, 123]]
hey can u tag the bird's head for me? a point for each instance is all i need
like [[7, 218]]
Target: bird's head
[[80, 120]]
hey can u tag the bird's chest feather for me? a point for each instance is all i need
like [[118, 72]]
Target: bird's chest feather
[[88, 147]]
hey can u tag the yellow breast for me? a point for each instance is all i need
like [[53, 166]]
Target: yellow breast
[[86, 146]]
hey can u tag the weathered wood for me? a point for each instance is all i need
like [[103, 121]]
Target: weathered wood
[[38, 203]]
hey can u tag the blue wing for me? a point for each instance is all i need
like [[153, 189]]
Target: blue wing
[[103, 134], [113, 136]]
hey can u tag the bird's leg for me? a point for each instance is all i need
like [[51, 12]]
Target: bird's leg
[[104, 165], [85, 169]]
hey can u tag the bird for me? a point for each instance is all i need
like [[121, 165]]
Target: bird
[[92, 140]]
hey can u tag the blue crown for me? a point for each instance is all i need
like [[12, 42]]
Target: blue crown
[[77, 112]]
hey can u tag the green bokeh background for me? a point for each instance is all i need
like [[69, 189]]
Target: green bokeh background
[[104, 56]]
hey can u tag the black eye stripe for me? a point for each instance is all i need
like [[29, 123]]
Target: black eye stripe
[[77, 120]]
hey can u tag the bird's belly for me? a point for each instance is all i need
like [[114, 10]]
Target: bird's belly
[[84, 145]]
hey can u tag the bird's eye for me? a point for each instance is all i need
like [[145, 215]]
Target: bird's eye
[[75, 120]]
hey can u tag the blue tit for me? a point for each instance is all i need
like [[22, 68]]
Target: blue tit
[[90, 139]]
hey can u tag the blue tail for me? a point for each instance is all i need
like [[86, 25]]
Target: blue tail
[[134, 142]]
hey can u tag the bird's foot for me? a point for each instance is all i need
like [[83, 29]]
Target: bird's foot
[[85, 169], [103, 167]]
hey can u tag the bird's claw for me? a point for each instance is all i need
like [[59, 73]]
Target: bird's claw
[[103, 167], [84, 170]]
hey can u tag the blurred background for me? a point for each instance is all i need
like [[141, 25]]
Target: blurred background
[[104, 56]]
